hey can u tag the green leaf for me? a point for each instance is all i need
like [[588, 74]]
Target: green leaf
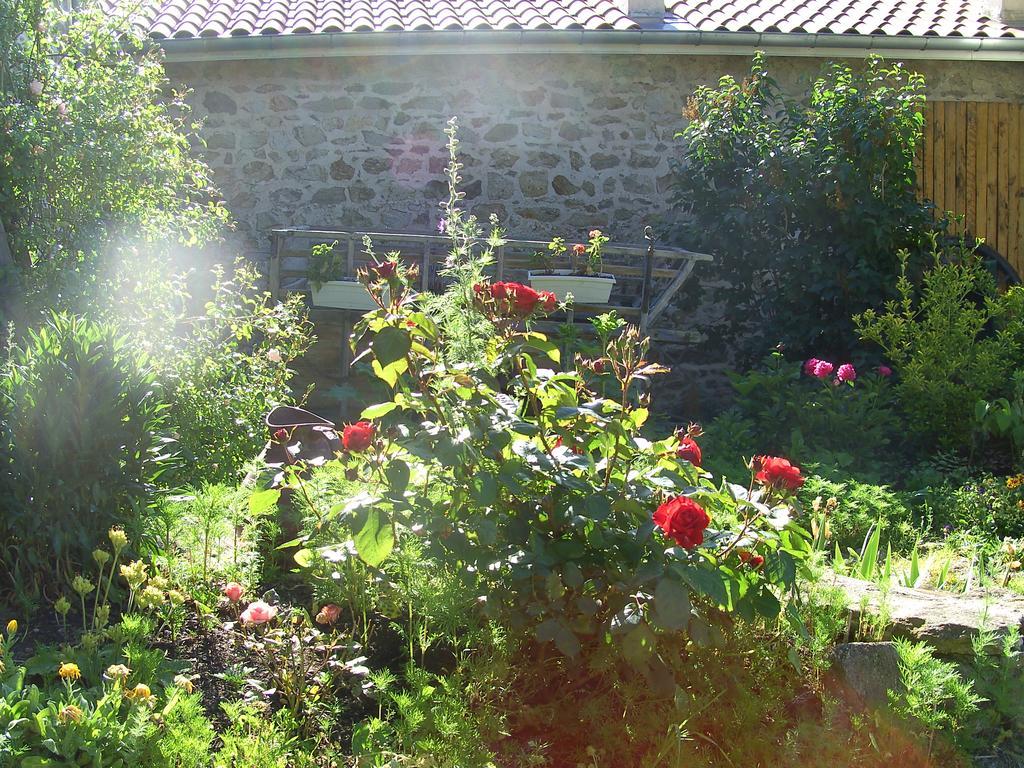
[[378, 410], [262, 502], [397, 473], [671, 604], [376, 539], [869, 555], [597, 507], [484, 489], [303, 558], [391, 344], [711, 583]]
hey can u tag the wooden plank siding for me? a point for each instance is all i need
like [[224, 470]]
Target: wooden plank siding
[[971, 165]]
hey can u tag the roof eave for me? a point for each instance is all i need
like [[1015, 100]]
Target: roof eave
[[584, 42]]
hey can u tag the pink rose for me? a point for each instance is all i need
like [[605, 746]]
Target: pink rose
[[274, 355], [810, 365], [233, 591], [328, 614], [884, 371], [846, 372], [258, 612]]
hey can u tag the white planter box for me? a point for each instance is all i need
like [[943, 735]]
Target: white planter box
[[585, 289], [342, 294]]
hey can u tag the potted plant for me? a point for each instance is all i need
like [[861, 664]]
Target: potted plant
[[584, 278], [328, 284]]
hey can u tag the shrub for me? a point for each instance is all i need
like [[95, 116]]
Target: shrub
[[803, 202], [86, 78], [988, 505], [551, 496], [954, 340], [73, 707], [222, 368], [859, 507], [783, 407], [81, 447]]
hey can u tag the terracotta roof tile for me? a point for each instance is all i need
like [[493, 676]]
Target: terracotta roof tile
[[224, 18]]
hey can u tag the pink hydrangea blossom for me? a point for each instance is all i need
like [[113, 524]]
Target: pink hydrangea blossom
[[846, 372], [258, 612], [822, 369], [884, 371]]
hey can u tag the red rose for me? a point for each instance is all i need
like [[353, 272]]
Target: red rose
[[688, 450], [683, 519], [281, 435], [752, 559], [386, 270], [524, 299], [549, 302], [358, 436], [777, 473]]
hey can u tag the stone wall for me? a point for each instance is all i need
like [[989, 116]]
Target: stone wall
[[552, 144]]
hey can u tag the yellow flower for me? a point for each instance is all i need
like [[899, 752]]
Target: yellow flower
[[118, 538], [118, 672], [101, 556], [62, 606], [12, 627], [1015, 481], [140, 692], [150, 598], [175, 597], [158, 581], [82, 585], [69, 671], [70, 714], [184, 683], [135, 573]]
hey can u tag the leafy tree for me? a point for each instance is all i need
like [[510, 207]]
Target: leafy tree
[[95, 145], [803, 203]]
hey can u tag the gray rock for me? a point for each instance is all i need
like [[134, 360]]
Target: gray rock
[[640, 160], [543, 159], [329, 196], [281, 103], [869, 670], [947, 622], [601, 161], [218, 103], [534, 183], [309, 135], [342, 171], [391, 88], [502, 158], [257, 170], [563, 186], [220, 141], [503, 132], [377, 164]]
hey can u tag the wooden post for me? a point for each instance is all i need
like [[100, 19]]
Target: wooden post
[[276, 240], [425, 267], [645, 297]]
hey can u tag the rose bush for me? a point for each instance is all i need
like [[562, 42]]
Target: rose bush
[[548, 494]]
